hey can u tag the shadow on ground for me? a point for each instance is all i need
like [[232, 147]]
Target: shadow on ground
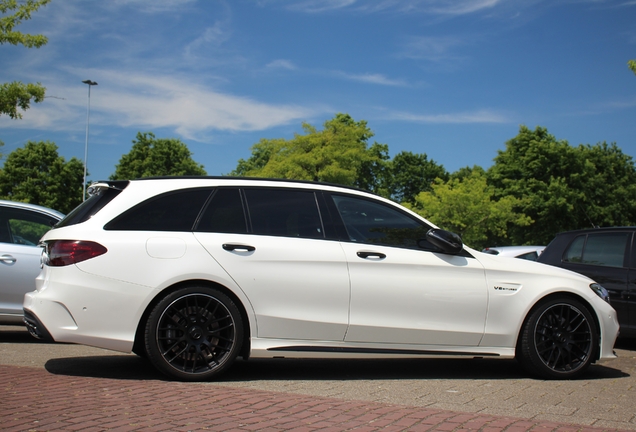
[[136, 368]]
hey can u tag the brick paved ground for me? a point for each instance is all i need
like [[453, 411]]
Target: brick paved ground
[[33, 399]]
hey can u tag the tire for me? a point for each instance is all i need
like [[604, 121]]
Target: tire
[[193, 334], [559, 339]]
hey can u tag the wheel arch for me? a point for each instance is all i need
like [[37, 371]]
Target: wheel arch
[[567, 294], [138, 343]]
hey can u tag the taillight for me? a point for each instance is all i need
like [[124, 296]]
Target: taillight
[[64, 252]]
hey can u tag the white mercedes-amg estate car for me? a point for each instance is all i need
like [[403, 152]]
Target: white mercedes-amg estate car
[[194, 272]]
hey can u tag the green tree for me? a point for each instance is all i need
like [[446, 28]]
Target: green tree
[[467, 206], [16, 95], [411, 174], [338, 153], [467, 172], [38, 175], [153, 157], [563, 187], [632, 65]]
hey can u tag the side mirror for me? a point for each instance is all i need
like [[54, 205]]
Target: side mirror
[[447, 241]]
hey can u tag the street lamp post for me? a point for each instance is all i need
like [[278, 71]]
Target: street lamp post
[[88, 112]]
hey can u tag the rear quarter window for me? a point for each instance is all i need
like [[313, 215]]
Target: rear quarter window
[[171, 211]]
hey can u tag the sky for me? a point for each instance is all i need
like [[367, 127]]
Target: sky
[[453, 79]]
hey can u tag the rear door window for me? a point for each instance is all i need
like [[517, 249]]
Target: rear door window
[[601, 249], [284, 212], [224, 213]]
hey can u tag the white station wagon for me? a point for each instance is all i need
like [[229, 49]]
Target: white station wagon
[[194, 272]]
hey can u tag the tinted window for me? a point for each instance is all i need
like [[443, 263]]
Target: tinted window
[[574, 253], [284, 212], [93, 204], [172, 211], [376, 223], [24, 227], [603, 249], [530, 256], [224, 213]]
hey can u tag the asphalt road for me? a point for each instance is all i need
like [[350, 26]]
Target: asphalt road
[[604, 398]]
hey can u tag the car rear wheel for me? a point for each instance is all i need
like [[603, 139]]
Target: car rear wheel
[[194, 333], [559, 339]]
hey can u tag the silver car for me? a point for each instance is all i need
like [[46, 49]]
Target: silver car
[[21, 227], [530, 253]]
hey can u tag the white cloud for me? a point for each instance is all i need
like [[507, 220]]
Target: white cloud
[[153, 6], [127, 100], [213, 36], [371, 78], [480, 116], [281, 64], [432, 48], [437, 7], [313, 6]]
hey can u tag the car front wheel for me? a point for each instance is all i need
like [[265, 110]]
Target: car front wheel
[[193, 334], [559, 339]]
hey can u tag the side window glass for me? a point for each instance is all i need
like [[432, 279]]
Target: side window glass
[[530, 256], [574, 252], [224, 213], [23, 227], [284, 212], [172, 211], [376, 223], [605, 249]]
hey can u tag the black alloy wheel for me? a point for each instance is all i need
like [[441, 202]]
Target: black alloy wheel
[[194, 334], [559, 339]]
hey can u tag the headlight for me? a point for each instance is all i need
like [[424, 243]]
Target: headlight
[[600, 291]]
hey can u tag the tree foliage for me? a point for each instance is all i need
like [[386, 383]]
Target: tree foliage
[[467, 206], [561, 187], [338, 153], [16, 95], [411, 174], [38, 175], [632, 65], [151, 157]]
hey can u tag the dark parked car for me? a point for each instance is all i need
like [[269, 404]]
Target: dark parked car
[[607, 255]]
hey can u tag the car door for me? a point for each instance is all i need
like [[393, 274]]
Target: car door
[[603, 257], [401, 292], [276, 251], [20, 231]]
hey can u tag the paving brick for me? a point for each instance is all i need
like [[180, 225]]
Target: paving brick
[[41, 401]]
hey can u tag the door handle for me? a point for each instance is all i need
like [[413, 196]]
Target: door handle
[[377, 255], [238, 247], [9, 259]]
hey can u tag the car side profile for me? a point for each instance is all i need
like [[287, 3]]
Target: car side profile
[[21, 226], [192, 273], [607, 255]]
